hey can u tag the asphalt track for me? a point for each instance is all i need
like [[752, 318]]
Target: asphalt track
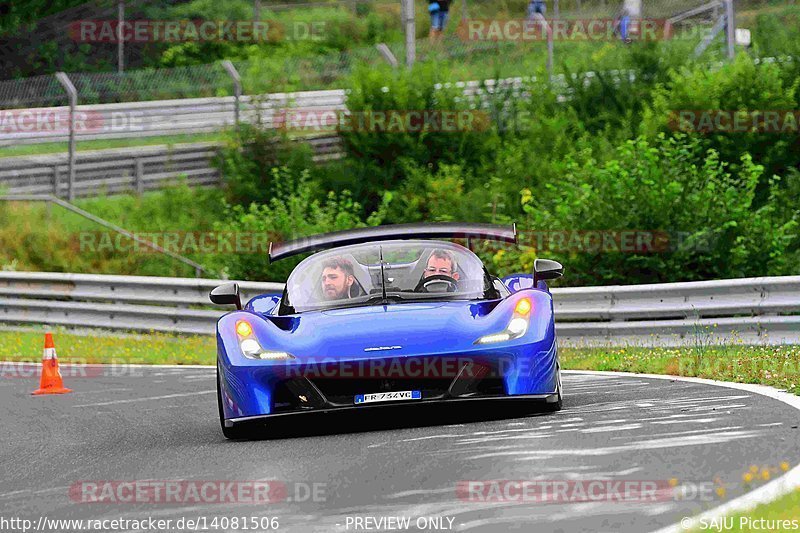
[[161, 424]]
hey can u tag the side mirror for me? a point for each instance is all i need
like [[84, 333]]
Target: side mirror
[[226, 295], [546, 269]]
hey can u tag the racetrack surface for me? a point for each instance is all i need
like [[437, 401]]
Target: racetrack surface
[[161, 424]]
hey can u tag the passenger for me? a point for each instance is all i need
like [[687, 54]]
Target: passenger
[[337, 278]]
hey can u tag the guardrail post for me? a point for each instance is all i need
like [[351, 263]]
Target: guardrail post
[[139, 173], [410, 28], [549, 29], [730, 28], [387, 54], [55, 181], [65, 82], [120, 36], [237, 88]]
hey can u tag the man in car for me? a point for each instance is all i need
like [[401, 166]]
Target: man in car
[[441, 262], [337, 278]]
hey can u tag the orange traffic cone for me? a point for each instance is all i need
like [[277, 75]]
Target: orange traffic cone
[[51, 382]]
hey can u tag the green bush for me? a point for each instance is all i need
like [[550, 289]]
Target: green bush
[[247, 157], [380, 159], [704, 217], [294, 211], [777, 34], [738, 86]]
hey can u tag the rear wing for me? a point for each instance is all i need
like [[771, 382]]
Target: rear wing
[[441, 230]]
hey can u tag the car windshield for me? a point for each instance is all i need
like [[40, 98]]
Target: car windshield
[[386, 273]]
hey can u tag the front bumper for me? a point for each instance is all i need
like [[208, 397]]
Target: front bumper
[[258, 389], [544, 398]]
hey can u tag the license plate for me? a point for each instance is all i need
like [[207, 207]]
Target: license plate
[[388, 396]]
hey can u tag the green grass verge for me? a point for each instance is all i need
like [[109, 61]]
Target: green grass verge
[[42, 238], [105, 144], [150, 348], [776, 514], [777, 366], [129, 142]]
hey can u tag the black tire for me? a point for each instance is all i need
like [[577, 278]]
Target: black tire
[[229, 432], [557, 405]]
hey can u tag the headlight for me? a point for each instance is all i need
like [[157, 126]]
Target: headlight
[[516, 327], [252, 349], [270, 356], [250, 346]]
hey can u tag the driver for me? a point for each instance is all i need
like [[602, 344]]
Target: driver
[[337, 278], [441, 263]]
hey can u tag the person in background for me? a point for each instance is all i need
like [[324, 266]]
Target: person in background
[[536, 6], [440, 12], [629, 19]]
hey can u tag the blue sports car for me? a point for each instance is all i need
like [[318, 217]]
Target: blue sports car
[[386, 315]]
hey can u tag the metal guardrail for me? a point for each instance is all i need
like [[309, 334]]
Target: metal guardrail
[[752, 311], [133, 303], [127, 170], [158, 117], [747, 310]]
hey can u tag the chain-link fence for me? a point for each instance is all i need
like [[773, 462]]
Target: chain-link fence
[[84, 38], [38, 91], [59, 42]]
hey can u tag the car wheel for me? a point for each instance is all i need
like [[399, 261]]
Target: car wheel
[[559, 403], [229, 432]]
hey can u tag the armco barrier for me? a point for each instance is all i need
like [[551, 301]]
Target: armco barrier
[[753, 310], [127, 170]]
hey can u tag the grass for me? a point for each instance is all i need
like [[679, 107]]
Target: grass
[[150, 348], [128, 142], [38, 237], [776, 366], [784, 508], [105, 144]]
